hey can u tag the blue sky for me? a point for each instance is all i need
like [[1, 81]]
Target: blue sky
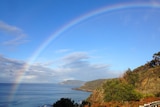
[[56, 40]]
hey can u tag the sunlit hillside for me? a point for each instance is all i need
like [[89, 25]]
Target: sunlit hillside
[[141, 83], [91, 85]]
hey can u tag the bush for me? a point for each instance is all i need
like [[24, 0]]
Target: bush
[[131, 77], [119, 91], [157, 94], [85, 103], [64, 102]]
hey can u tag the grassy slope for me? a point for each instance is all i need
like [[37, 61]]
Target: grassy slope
[[148, 83], [91, 85], [149, 79]]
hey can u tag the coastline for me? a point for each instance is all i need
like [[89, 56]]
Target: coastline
[[81, 89]]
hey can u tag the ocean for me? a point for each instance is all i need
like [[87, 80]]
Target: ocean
[[38, 95]]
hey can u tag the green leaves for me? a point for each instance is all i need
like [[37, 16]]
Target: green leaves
[[131, 77], [67, 102], [64, 102], [116, 90]]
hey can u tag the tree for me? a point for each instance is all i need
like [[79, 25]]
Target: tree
[[156, 56], [131, 77], [116, 90], [156, 59], [64, 102], [85, 103]]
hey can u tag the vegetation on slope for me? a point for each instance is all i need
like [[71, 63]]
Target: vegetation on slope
[[142, 82], [126, 91], [91, 85], [67, 102], [116, 90]]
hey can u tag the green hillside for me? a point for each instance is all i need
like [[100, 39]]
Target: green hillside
[[134, 85], [91, 85]]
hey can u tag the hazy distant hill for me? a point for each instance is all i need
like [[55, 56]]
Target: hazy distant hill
[[73, 82]]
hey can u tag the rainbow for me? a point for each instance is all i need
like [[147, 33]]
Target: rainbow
[[71, 24]]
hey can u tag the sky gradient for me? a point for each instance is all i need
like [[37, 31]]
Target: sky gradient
[[56, 40]]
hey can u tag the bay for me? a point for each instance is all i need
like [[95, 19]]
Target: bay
[[38, 95]]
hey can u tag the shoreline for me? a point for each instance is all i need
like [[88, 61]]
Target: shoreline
[[81, 89]]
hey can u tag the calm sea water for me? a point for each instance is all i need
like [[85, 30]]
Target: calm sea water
[[37, 95]]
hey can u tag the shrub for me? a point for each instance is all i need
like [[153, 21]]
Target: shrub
[[131, 77], [119, 91], [157, 94], [64, 102]]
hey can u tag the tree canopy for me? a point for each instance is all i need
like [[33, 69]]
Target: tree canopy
[[64, 102], [67, 102], [156, 59], [116, 90]]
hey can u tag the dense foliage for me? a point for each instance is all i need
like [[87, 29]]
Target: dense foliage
[[92, 85], [131, 77], [115, 90], [156, 60], [158, 94], [141, 83], [66, 102]]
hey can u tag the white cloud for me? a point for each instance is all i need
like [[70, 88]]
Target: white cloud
[[12, 69], [29, 76], [9, 69], [68, 78], [74, 66], [62, 51], [19, 35], [75, 56]]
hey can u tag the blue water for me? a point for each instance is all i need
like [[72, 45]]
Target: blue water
[[37, 95]]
